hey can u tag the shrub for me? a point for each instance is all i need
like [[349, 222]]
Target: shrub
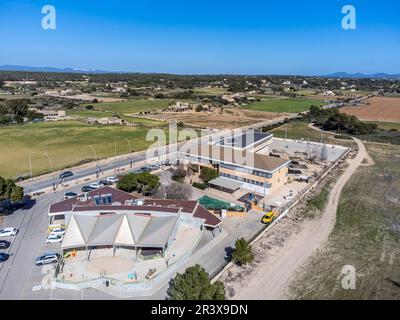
[[207, 174], [199, 185]]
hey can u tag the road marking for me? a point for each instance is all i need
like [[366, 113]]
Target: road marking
[[37, 288]]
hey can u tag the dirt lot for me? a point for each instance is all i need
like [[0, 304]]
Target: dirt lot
[[377, 109], [228, 118], [366, 236]]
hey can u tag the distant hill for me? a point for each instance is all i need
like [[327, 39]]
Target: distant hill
[[48, 69], [362, 75]]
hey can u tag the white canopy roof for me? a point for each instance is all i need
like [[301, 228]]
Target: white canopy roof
[[118, 229]]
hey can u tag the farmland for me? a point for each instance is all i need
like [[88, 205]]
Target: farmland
[[66, 142], [287, 105], [133, 106], [365, 236], [376, 109]]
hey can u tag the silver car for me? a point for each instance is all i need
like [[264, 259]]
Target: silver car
[[47, 258]]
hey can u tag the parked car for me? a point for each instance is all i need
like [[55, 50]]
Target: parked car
[[66, 174], [155, 167], [70, 195], [87, 189], [54, 238], [8, 232], [57, 231], [105, 183], [112, 179], [4, 244], [4, 256], [49, 257], [95, 185]]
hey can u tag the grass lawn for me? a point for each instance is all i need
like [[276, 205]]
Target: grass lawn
[[366, 236], [133, 106], [387, 125], [67, 143], [297, 130], [287, 105]]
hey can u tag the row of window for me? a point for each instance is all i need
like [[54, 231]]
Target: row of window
[[257, 183]]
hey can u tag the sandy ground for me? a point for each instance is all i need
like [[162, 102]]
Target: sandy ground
[[377, 109], [281, 253], [229, 118]]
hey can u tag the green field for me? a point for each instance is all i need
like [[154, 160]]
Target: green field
[[299, 130], [388, 125], [132, 106], [287, 105], [366, 236], [67, 143]]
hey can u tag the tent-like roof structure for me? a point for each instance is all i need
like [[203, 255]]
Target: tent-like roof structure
[[118, 229]]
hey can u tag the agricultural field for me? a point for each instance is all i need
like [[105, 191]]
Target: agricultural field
[[376, 109], [66, 142], [101, 114], [221, 119], [366, 236], [287, 105], [212, 91], [133, 106]]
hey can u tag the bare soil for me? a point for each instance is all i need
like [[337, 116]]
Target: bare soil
[[376, 109], [227, 119]]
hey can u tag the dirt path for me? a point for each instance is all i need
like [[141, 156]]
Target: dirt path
[[272, 276]]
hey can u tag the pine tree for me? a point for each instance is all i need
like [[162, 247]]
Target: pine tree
[[242, 253], [194, 284]]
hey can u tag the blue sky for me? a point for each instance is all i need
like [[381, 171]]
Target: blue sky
[[191, 37]]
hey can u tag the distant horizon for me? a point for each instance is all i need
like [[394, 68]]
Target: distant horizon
[[69, 69]]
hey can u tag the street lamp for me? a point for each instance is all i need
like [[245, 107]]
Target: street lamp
[[129, 144], [52, 169], [30, 163], [95, 161]]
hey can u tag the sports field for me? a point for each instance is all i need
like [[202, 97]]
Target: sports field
[[133, 106], [286, 105], [66, 142]]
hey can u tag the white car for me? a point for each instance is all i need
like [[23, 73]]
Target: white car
[[8, 232], [53, 238], [95, 185], [112, 179], [57, 231]]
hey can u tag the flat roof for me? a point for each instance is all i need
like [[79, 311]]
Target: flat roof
[[244, 140], [226, 183], [251, 160]]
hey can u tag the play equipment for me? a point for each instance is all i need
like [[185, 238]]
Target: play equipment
[[252, 203], [68, 254]]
